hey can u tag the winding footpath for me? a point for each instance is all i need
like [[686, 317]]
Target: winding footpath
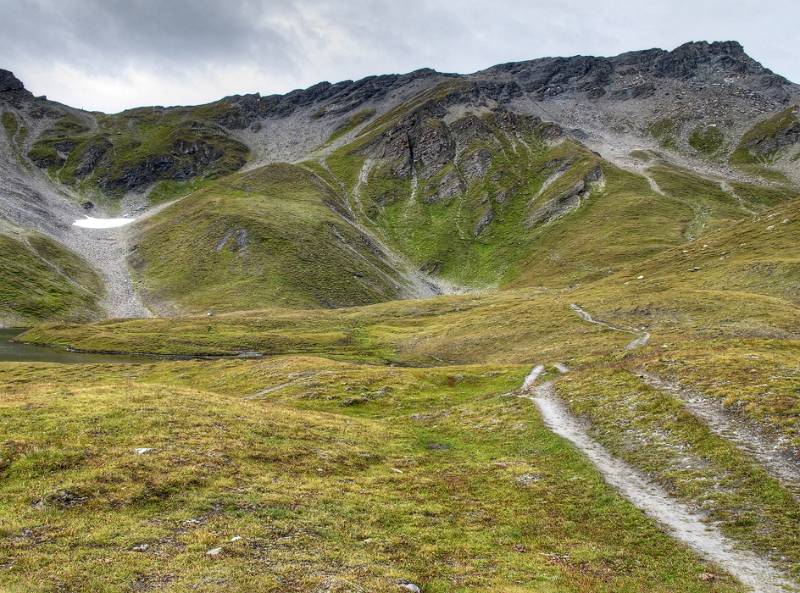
[[772, 453], [642, 337], [682, 523]]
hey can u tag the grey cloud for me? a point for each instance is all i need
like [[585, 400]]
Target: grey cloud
[[102, 34], [197, 50]]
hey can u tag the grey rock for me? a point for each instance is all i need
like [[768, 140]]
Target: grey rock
[[235, 240], [448, 187], [565, 202], [91, 157], [483, 222], [9, 82], [475, 165]]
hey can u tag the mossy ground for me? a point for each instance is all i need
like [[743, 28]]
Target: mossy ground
[[41, 280], [356, 479], [707, 141], [270, 236], [131, 140]]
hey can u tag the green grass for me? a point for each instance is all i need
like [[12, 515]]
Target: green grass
[[754, 378], [512, 326], [712, 207], [517, 247], [643, 155], [665, 130], [40, 280], [753, 256], [440, 234], [129, 143], [169, 189], [707, 141], [737, 282], [355, 120], [10, 124], [267, 237], [764, 130], [439, 479], [620, 224]]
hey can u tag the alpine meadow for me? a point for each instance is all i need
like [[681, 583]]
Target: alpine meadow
[[530, 329]]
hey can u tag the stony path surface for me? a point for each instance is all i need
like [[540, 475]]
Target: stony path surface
[[642, 337], [773, 454], [682, 523]]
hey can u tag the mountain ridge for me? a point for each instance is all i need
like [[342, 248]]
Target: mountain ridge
[[429, 179]]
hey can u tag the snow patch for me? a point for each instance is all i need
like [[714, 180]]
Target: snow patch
[[102, 223]]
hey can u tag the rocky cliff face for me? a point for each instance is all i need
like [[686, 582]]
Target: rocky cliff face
[[637, 74], [9, 82], [643, 99]]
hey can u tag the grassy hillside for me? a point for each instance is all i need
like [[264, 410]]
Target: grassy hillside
[[470, 219], [136, 149], [40, 280], [734, 283], [490, 198], [768, 140], [274, 235], [722, 311], [441, 186]]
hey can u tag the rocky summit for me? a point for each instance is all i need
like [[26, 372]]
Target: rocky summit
[[533, 328]]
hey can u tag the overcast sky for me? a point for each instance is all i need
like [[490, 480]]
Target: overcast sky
[[113, 54]]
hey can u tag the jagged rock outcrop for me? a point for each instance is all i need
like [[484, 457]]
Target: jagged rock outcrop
[[242, 111], [12, 90], [9, 82], [636, 74], [765, 146], [566, 202]]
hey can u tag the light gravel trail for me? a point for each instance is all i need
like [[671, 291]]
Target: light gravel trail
[[642, 337], [772, 453], [681, 522]]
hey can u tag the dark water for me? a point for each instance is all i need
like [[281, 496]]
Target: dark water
[[15, 352]]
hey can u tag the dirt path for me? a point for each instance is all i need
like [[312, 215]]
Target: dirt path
[[642, 337], [773, 454], [682, 523]]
